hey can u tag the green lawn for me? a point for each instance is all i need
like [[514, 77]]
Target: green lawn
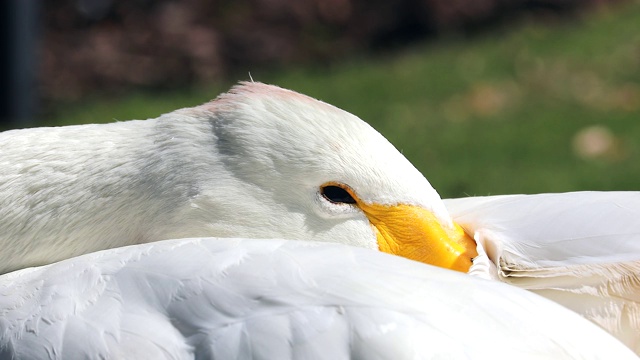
[[501, 113]]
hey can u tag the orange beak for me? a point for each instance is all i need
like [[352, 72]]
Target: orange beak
[[415, 233]]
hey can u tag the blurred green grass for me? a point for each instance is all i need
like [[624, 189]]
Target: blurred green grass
[[538, 108]]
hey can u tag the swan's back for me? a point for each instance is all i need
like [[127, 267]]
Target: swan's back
[[240, 298]]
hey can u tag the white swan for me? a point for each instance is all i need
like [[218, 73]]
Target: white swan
[[264, 162], [275, 299]]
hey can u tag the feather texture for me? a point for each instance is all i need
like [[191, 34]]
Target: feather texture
[[240, 298], [579, 249]]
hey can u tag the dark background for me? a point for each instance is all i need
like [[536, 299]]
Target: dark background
[[65, 50]]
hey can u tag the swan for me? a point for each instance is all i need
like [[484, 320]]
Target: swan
[[231, 298], [264, 162]]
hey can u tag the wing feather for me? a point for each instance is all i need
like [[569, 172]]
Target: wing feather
[[241, 298], [580, 249]]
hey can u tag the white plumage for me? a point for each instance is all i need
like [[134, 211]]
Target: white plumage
[[579, 249], [275, 299], [263, 162]]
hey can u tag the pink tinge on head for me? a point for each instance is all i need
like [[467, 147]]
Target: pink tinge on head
[[258, 90]]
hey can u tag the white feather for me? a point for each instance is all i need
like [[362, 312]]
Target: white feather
[[276, 299], [579, 249]]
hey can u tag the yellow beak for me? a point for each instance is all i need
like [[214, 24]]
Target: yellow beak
[[415, 233]]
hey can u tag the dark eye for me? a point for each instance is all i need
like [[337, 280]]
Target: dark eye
[[337, 195]]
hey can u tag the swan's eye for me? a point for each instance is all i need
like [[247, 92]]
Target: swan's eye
[[337, 195]]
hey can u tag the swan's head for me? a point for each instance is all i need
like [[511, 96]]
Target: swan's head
[[290, 166]]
